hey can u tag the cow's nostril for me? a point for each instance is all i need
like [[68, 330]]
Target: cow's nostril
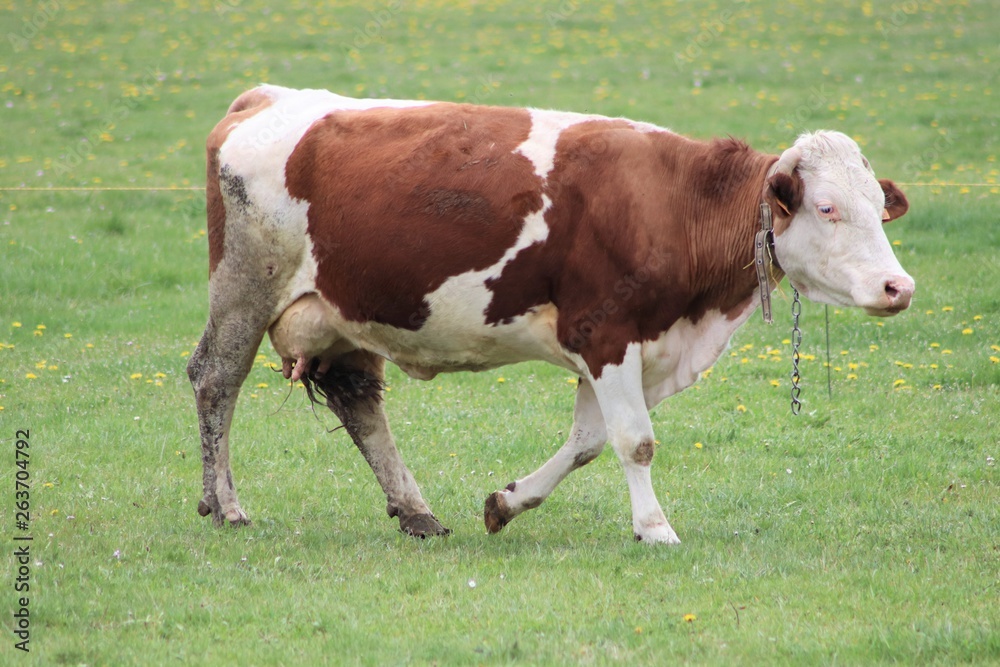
[[891, 291]]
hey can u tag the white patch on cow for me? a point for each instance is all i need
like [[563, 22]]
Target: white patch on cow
[[455, 335], [676, 359], [647, 128], [546, 126]]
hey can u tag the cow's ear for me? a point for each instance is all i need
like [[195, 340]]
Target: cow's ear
[[784, 194], [896, 204]]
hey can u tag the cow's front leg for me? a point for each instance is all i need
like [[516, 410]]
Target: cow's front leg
[[585, 443], [620, 394], [352, 386], [217, 369]]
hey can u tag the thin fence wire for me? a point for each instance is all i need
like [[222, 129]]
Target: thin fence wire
[[201, 188]]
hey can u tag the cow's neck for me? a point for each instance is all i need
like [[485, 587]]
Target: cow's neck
[[723, 271]]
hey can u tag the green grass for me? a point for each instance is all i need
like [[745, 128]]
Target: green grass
[[864, 531]]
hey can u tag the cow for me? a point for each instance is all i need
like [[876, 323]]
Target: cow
[[453, 237]]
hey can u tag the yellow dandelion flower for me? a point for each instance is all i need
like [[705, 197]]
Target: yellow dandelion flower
[[89, 346], [741, 408], [995, 359], [41, 327], [160, 375], [698, 445], [898, 383], [897, 242], [966, 331], [501, 380], [977, 317], [41, 364], [946, 352], [16, 325], [947, 309], [928, 312], [54, 512], [568, 381], [935, 345], [262, 385], [937, 387], [135, 376], [67, 335], [53, 367], [872, 347], [38, 332], [775, 383], [690, 618], [852, 376], [30, 376]]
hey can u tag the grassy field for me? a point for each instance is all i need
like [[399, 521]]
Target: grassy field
[[864, 531]]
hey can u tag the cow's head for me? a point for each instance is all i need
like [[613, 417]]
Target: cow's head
[[829, 210]]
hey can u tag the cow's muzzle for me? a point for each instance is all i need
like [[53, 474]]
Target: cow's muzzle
[[897, 291]]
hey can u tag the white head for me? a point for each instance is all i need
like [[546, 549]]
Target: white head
[[829, 210]]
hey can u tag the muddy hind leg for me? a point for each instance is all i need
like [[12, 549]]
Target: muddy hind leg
[[217, 370], [352, 387]]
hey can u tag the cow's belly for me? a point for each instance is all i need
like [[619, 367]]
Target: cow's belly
[[449, 341]]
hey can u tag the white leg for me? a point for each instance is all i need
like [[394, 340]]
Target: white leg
[[619, 392], [585, 443]]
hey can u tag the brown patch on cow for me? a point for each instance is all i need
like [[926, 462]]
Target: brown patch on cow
[[532, 503], [245, 106], [511, 486], [496, 513], [784, 195], [403, 199], [583, 458], [643, 454], [896, 203], [644, 229]]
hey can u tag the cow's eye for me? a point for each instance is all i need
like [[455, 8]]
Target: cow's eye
[[828, 211]]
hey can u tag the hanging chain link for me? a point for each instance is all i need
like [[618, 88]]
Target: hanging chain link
[[796, 343]]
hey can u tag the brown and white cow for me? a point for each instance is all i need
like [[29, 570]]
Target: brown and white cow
[[449, 237]]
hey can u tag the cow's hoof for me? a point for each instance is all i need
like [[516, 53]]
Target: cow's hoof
[[659, 534], [234, 516], [203, 508], [422, 525], [497, 513]]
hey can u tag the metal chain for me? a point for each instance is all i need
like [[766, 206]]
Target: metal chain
[[796, 343]]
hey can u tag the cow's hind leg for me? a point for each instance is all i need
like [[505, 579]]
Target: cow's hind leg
[[585, 443], [217, 369], [352, 387]]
